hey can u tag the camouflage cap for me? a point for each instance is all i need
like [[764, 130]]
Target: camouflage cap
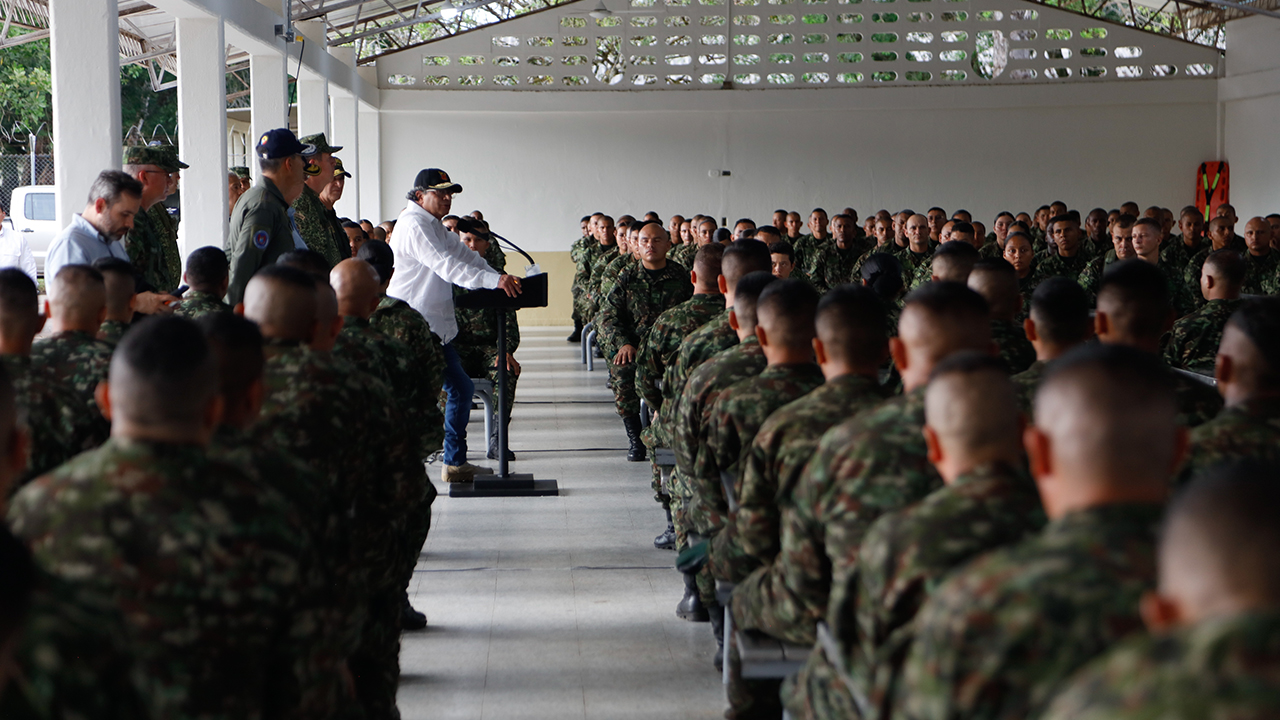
[[321, 143], [338, 170], [164, 157], [241, 171]]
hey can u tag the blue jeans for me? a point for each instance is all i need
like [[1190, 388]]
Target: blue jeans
[[458, 390]]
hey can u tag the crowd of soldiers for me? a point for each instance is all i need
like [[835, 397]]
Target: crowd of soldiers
[[214, 509], [1028, 473]]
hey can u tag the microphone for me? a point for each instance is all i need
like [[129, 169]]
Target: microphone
[[517, 248]]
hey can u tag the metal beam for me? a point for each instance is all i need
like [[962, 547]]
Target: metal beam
[[344, 39], [1244, 8]]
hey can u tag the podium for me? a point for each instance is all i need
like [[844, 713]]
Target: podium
[[505, 483]]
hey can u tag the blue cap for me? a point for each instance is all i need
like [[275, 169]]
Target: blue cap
[[281, 143]]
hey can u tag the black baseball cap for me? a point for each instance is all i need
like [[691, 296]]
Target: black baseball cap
[[281, 143], [436, 179]]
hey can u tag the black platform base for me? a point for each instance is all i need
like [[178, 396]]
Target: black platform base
[[513, 485]]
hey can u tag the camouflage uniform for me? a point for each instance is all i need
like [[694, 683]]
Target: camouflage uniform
[[991, 247], [912, 261], [602, 256], [202, 562], [771, 469], [684, 253], [152, 245], [1223, 667], [629, 310], [1260, 275], [865, 467], [477, 340], [80, 360], [390, 360], [1191, 271], [1026, 288], [1247, 431], [53, 417], [855, 271], [733, 420], [579, 254], [1054, 265], [1176, 253], [74, 659], [111, 331], [608, 278], [396, 319], [1198, 402], [689, 428], [834, 266], [309, 215], [1015, 349], [904, 557], [1193, 342], [997, 640], [196, 304], [1091, 277], [1025, 384], [807, 248]]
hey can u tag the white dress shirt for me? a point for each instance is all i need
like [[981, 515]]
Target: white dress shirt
[[15, 251], [429, 261]]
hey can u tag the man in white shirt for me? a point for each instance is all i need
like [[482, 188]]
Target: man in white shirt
[[14, 249], [429, 261]]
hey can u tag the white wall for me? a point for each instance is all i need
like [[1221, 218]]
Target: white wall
[[534, 162], [1250, 96]]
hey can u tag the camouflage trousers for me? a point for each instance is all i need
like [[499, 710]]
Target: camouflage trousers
[[375, 665], [483, 363], [577, 291], [728, 561], [681, 501], [817, 692], [625, 397], [653, 439]]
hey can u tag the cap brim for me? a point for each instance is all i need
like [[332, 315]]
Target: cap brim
[[450, 187], [334, 149], [344, 174], [180, 166]]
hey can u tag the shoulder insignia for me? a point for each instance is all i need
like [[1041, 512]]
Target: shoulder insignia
[[260, 239]]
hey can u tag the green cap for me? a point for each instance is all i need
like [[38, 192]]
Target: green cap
[[338, 170], [164, 157], [321, 143], [241, 171]]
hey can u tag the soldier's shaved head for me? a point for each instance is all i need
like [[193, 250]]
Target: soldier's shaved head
[[121, 288], [308, 261], [236, 344], [1060, 311], [746, 295], [706, 263], [1105, 428], [77, 299], [997, 282], [953, 261], [355, 283], [938, 319], [163, 382], [380, 255], [971, 411], [282, 301], [850, 322], [1133, 305], [739, 259], [207, 270], [1220, 548], [20, 318], [785, 312], [1248, 363], [1227, 268]]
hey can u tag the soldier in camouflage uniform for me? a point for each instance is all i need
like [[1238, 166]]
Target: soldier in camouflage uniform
[[1121, 249], [874, 463], [594, 263], [1248, 428], [1146, 243], [1221, 235], [477, 340], [119, 280], [1262, 274], [997, 282], [642, 292], [1018, 251], [916, 254], [581, 254], [1133, 307], [73, 354], [1193, 342], [1059, 320], [609, 274], [853, 341], [152, 244], [690, 424], [656, 361], [207, 277], [396, 319], [808, 246], [361, 452], [1214, 651], [989, 501], [1071, 254], [997, 639], [202, 561], [309, 214], [834, 265], [1181, 248]]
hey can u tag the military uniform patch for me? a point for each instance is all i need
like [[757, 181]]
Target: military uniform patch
[[260, 239]]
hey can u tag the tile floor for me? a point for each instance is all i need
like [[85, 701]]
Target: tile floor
[[555, 607]]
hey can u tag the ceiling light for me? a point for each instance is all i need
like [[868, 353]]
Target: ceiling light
[[600, 11]]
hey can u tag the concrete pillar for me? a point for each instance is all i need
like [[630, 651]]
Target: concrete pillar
[[202, 131], [268, 99], [346, 123], [85, 58], [371, 169], [313, 105]]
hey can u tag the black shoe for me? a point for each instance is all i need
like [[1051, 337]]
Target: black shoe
[[690, 607], [576, 335], [411, 619], [637, 451], [598, 353], [493, 451], [667, 540]]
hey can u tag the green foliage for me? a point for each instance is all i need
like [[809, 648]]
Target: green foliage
[[145, 109]]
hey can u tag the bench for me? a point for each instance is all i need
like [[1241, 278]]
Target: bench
[[588, 346], [585, 342]]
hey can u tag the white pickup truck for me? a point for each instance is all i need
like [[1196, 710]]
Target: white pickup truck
[[32, 212]]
